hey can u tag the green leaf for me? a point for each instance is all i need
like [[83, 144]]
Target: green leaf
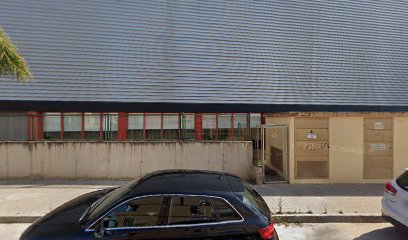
[[12, 65]]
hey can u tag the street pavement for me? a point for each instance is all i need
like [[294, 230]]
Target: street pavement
[[38, 197], [331, 231], [350, 199]]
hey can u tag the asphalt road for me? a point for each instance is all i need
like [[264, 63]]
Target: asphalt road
[[332, 231]]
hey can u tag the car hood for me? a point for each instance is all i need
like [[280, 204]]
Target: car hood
[[63, 222]]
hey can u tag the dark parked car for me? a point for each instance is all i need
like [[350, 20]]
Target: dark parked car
[[174, 204]]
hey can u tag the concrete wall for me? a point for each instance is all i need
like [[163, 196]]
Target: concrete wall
[[346, 141], [117, 160]]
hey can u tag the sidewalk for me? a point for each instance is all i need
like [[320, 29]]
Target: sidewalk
[[35, 198], [350, 199]]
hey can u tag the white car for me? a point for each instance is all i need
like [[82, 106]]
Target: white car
[[395, 201]]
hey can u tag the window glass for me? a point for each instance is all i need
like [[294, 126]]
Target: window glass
[[190, 210], [153, 126], [141, 212], [241, 130], [52, 126], [188, 126], [135, 126], [224, 126], [402, 181], [14, 126], [209, 127], [110, 126], [170, 126], [92, 126], [225, 211], [255, 119], [252, 199], [72, 125], [255, 134]]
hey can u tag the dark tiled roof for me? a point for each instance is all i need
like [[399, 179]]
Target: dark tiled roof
[[253, 52]]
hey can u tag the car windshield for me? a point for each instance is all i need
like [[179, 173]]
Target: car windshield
[[106, 201], [402, 181]]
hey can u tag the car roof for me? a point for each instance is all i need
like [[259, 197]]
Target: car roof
[[181, 181]]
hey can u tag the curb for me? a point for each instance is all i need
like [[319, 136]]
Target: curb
[[324, 218], [284, 218]]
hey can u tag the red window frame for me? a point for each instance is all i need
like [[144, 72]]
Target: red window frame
[[36, 117]]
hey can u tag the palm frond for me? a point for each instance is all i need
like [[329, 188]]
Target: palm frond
[[11, 63]]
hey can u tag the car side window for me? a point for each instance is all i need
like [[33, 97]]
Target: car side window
[[190, 210], [141, 212], [225, 211]]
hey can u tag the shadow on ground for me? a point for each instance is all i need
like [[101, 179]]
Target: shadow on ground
[[390, 233]]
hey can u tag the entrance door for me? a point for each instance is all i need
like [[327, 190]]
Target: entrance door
[[275, 153]]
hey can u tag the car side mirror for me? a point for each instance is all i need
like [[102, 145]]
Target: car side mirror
[[100, 228]]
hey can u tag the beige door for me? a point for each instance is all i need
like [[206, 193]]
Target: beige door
[[378, 144], [311, 148]]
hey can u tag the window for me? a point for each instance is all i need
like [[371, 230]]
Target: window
[[92, 126], [153, 126], [241, 131], [135, 126], [402, 181], [141, 212], [190, 210], [225, 211], [188, 126], [253, 200], [52, 126], [110, 126], [170, 126], [255, 124], [13, 126], [72, 125], [255, 134], [224, 126], [209, 127]]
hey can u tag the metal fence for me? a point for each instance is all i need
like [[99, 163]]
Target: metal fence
[[130, 126]]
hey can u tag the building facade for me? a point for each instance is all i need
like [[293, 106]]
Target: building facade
[[319, 88]]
